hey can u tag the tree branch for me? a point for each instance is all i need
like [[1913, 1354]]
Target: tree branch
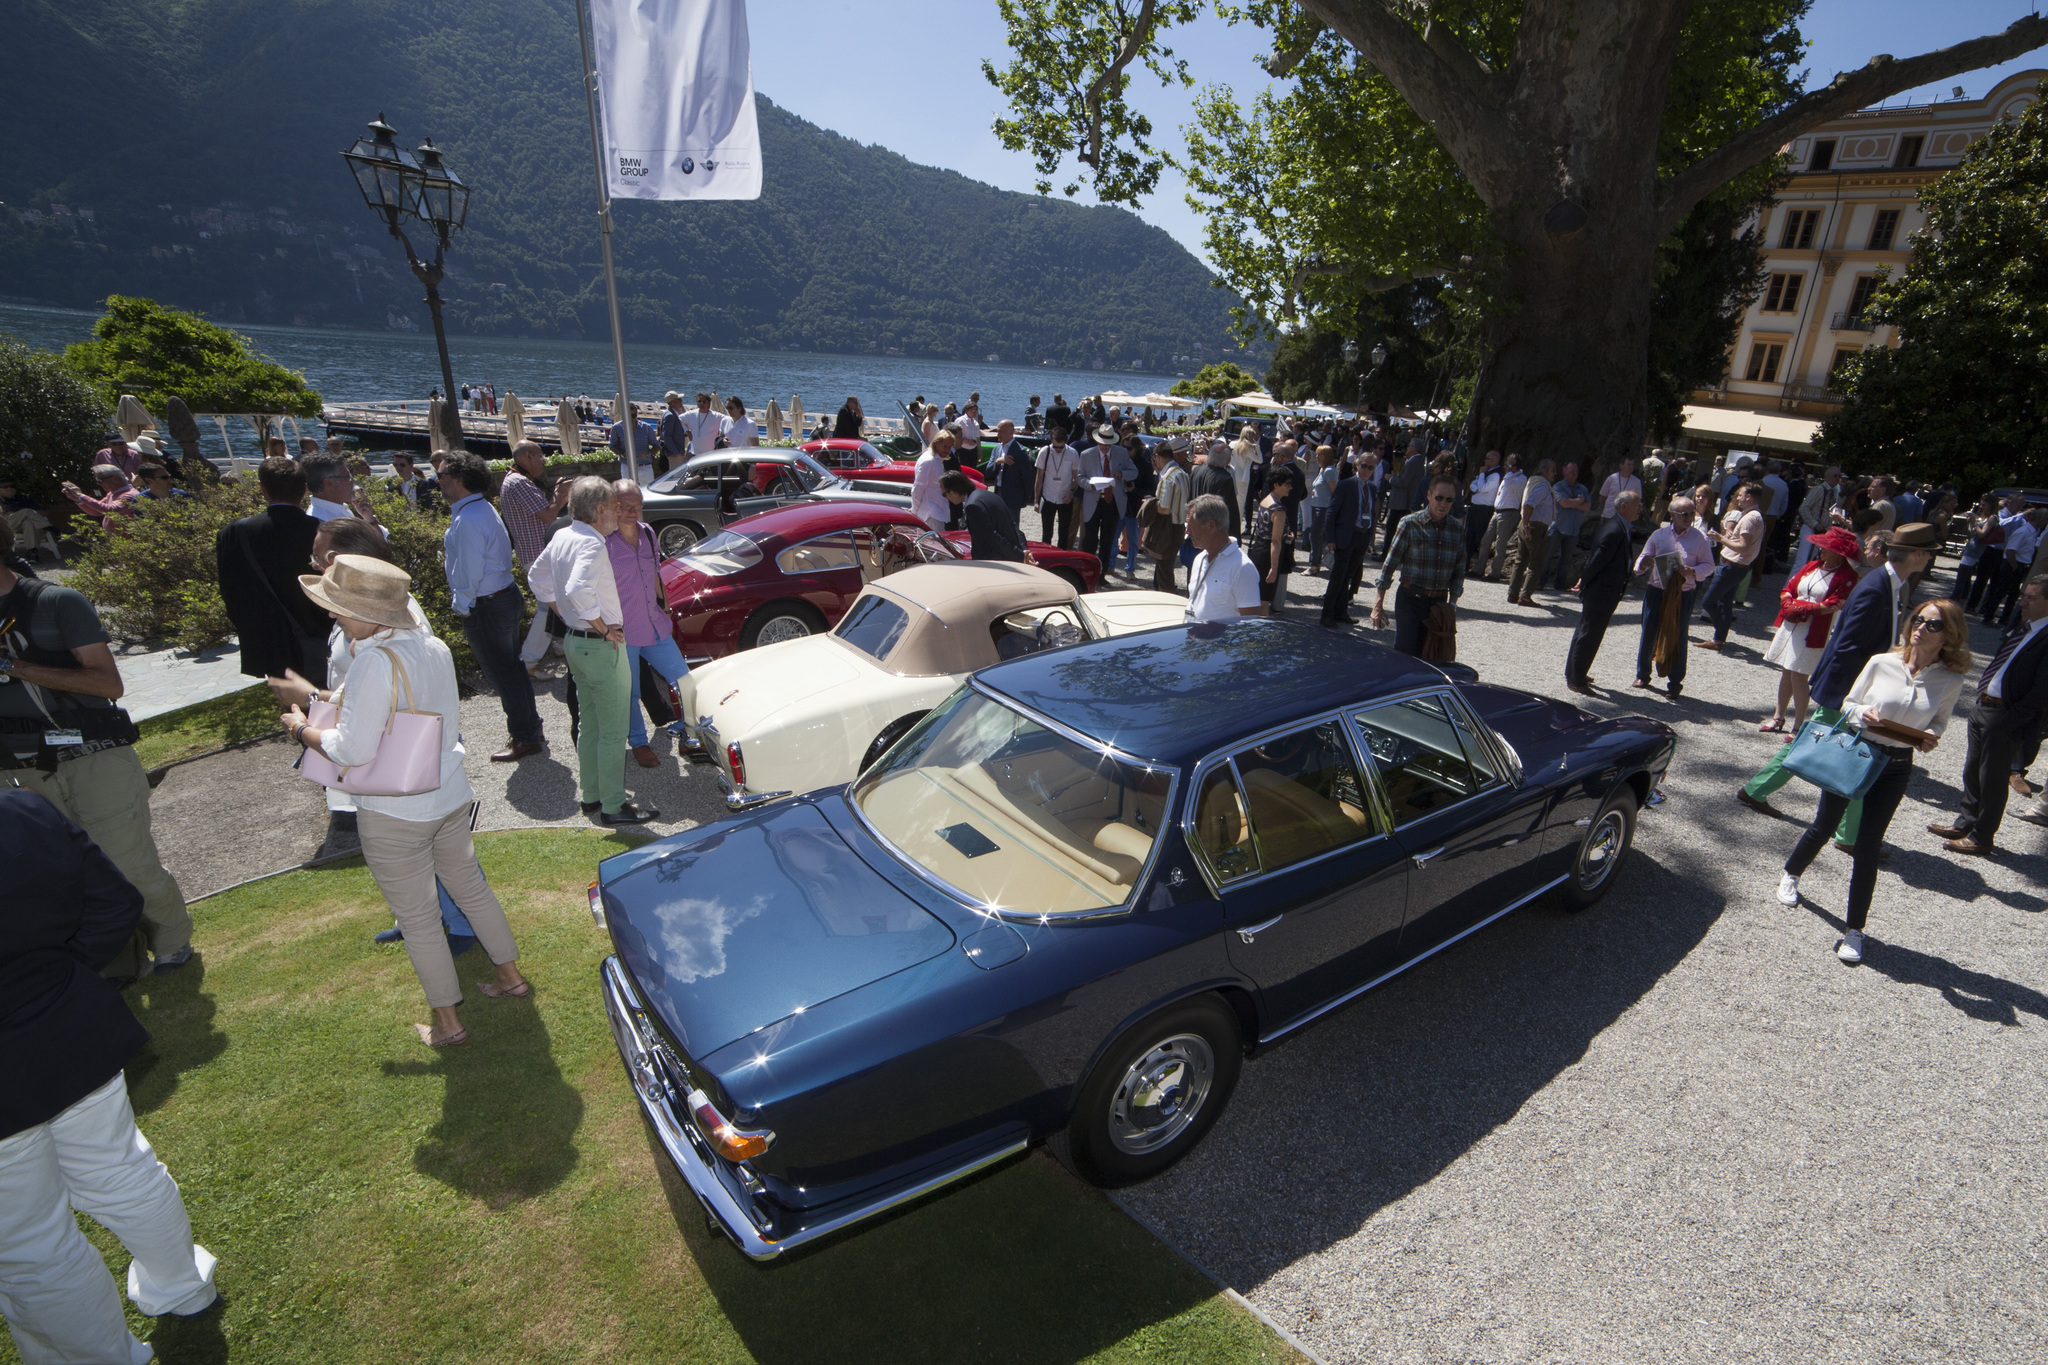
[[1442, 81], [1377, 284], [1284, 60], [1844, 95], [1132, 47]]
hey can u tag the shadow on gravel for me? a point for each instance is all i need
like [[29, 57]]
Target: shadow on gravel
[[1353, 1114], [1977, 994], [1955, 876], [544, 787]]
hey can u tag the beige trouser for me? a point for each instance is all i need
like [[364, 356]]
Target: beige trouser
[[107, 795], [405, 856], [32, 530]]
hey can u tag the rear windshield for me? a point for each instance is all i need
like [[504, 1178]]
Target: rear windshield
[[724, 553], [874, 626]]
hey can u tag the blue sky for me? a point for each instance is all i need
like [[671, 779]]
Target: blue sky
[[907, 74]]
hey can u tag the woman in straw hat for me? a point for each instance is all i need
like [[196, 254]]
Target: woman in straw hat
[[408, 841]]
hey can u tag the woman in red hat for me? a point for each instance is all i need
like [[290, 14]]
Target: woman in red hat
[[1806, 612]]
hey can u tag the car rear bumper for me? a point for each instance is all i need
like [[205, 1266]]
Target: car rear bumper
[[722, 1186]]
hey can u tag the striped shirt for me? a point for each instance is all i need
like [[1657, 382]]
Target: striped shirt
[[1173, 494], [523, 507], [1429, 554]]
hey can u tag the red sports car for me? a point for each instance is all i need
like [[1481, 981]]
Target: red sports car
[[795, 570], [865, 460]]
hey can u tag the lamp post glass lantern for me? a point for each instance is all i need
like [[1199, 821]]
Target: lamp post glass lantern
[[399, 184]]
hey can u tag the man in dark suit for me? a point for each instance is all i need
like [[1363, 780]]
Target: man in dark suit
[[1868, 625], [991, 526], [1401, 490], [1350, 534], [259, 560], [2012, 701], [67, 1133], [1601, 587]]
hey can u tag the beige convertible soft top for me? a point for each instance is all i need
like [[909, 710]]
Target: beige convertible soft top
[[952, 606]]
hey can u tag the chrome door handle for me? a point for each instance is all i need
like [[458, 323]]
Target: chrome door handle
[[1246, 933], [1422, 858]]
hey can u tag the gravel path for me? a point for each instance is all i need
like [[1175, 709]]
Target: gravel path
[[1674, 1128]]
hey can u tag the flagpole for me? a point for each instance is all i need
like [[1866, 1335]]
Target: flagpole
[[631, 459]]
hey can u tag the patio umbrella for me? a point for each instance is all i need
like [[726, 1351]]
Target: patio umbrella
[[132, 417], [796, 415], [774, 420], [435, 436], [515, 419], [566, 430]]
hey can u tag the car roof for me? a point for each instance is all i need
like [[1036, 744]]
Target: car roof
[[746, 454], [951, 606], [802, 520], [1177, 694]]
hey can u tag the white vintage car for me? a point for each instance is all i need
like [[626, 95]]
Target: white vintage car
[[815, 712]]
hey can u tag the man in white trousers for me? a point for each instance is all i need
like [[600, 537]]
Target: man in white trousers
[[68, 1139]]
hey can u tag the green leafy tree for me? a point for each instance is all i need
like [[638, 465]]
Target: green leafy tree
[[50, 421], [1537, 155], [157, 353], [1964, 395], [1224, 379], [153, 576]]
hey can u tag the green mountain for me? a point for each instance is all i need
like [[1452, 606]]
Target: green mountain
[[188, 153]]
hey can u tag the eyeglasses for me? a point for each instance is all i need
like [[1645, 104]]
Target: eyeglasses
[[1933, 623], [1444, 498]]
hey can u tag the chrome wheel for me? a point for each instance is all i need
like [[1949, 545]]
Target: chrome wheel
[[1602, 851], [676, 538], [1161, 1094], [780, 628]]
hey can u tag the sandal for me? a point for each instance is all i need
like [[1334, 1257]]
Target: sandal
[[497, 992], [1771, 727], [432, 1039]]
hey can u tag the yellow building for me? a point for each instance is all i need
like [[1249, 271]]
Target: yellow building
[[1851, 209]]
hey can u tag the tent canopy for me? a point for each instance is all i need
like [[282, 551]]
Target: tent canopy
[[1167, 400], [1765, 431], [1258, 400]]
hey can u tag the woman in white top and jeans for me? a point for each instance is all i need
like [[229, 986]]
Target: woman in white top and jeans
[[408, 841], [1915, 685]]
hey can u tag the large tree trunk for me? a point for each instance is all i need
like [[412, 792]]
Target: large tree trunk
[[1566, 370]]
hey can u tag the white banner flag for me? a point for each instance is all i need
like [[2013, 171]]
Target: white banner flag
[[675, 84]]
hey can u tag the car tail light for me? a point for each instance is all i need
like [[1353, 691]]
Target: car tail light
[[734, 1144], [737, 762], [597, 904]]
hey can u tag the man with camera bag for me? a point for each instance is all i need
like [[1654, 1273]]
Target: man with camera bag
[[61, 735]]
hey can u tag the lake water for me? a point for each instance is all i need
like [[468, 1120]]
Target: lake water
[[356, 366]]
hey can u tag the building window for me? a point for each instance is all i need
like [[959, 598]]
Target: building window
[[1883, 228], [1909, 152], [1823, 155], [1764, 358], [1843, 355], [1800, 225], [1859, 296], [1782, 295]]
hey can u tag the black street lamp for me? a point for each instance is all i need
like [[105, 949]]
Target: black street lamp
[[399, 184], [1379, 358]]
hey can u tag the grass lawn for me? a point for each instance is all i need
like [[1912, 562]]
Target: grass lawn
[[373, 1201], [207, 726]]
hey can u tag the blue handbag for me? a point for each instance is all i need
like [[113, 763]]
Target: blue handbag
[[1836, 758]]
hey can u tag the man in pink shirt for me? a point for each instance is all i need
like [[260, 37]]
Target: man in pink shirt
[[117, 496], [1680, 547]]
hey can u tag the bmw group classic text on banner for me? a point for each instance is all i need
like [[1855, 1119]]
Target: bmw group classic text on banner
[[676, 87]]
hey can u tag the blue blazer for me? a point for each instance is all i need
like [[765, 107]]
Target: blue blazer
[[1346, 502], [1866, 627]]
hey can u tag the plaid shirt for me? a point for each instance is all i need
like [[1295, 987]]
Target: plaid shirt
[[524, 509], [1429, 554]]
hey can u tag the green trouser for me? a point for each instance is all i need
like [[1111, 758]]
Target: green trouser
[[604, 691], [107, 795], [1773, 776]]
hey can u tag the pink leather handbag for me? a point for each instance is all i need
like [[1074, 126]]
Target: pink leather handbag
[[408, 760]]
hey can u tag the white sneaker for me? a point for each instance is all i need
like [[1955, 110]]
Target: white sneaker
[[1788, 890], [1850, 949]]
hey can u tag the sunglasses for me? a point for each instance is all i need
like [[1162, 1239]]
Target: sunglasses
[[1933, 623]]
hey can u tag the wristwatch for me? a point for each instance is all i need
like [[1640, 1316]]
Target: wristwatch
[[6, 665]]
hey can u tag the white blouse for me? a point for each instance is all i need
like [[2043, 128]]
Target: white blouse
[[575, 573], [367, 700], [1922, 701]]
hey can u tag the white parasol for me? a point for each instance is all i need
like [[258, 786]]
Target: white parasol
[[566, 430], [132, 417], [1258, 400], [515, 419], [796, 415], [436, 438], [774, 420]]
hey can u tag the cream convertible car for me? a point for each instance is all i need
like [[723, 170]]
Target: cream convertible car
[[815, 712]]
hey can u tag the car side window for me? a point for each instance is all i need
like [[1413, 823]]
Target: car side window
[[1420, 758], [841, 550], [1304, 795], [1477, 752], [1222, 832]]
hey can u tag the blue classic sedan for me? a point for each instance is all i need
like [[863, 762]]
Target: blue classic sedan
[[1069, 903]]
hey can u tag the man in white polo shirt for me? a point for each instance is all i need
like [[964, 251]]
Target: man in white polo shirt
[[1222, 584]]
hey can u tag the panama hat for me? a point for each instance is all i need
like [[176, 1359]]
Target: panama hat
[[1917, 535], [364, 589]]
